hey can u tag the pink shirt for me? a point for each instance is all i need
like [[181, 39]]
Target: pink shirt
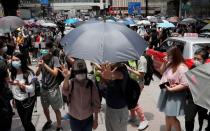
[[80, 101], [178, 77]]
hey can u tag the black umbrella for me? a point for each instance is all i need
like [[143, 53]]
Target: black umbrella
[[10, 23], [103, 42]]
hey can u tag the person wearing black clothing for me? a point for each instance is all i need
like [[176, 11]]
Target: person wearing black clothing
[[116, 78], [153, 39], [6, 112], [191, 109]]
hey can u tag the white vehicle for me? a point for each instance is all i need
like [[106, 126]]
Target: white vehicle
[[205, 35], [188, 46]]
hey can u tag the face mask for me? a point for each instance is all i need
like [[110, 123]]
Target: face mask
[[80, 77], [16, 64], [44, 52], [4, 49], [197, 63]]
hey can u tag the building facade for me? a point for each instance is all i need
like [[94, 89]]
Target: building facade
[[154, 6], [68, 4]]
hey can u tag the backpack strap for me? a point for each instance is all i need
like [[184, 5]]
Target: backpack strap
[[90, 84], [72, 88]]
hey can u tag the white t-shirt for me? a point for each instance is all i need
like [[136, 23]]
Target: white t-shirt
[[142, 67], [29, 90], [142, 64]]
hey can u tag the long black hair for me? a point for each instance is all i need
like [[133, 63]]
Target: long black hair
[[123, 69], [24, 67]]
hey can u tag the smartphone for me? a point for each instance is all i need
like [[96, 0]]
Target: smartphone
[[163, 85]]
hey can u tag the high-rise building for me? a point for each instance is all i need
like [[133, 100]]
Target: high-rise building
[[154, 6]]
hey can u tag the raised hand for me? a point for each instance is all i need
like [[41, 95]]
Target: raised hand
[[106, 72], [66, 72], [40, 63]]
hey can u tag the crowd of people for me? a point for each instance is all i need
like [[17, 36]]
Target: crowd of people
[[65, 79]]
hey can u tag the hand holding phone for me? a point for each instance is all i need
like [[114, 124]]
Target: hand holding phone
[[163, 85]]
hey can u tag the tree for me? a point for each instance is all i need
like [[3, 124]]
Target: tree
[[10, 7]]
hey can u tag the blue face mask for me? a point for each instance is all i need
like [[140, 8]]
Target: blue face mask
[[16, 64]]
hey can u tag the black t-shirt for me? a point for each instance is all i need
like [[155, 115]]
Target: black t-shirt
[[115, 98]]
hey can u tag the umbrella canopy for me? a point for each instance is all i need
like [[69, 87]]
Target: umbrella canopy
[[39, 22], [48, 25], [71, 21], [123, 22], [152, 19], [166, 24], [103, 42], [207, 27], [110, 20], [189, 20], [129, 21], [79, 23], [199, 81], [10, 23], [174, 19], [143, 22]]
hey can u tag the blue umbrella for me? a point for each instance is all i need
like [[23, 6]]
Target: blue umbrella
[[166, 25], [71, 21], [129, 21], [123, 22]]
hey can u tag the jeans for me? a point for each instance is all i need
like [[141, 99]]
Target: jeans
[[25, 114], [81, 125]]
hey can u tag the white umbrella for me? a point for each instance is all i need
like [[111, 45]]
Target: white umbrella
[[143, 22], [48, 25]]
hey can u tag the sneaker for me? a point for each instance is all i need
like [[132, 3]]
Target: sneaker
[[59, 129], [47, 125], [143, 125]]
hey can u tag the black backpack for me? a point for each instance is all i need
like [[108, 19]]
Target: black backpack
[[150, 70], [132, 93]]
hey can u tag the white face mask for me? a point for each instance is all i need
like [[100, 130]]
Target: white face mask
[[80, 77], [197, 63], [16, 64]]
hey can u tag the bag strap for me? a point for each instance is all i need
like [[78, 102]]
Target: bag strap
[[72, 88]]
